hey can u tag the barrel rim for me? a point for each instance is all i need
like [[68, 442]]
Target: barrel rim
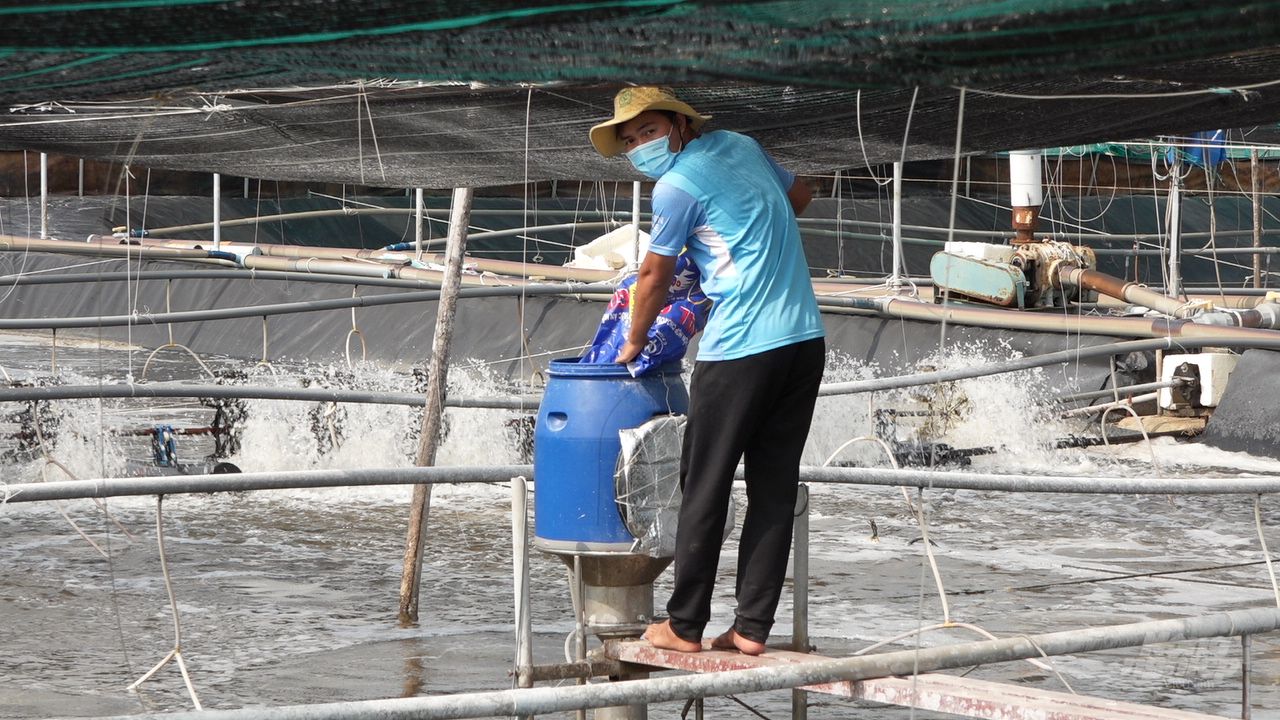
[[572, 367]]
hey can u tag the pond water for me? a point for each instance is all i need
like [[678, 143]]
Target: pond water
[[289, 597]]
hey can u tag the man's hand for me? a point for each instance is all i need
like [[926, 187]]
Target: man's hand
[[648, 297], [630, 351]]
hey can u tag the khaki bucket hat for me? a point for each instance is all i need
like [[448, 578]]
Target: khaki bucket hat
[[629, 103]]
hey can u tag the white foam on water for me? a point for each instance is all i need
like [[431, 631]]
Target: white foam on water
[[272, 578]]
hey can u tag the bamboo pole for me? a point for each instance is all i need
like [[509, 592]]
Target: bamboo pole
[[437, 379]]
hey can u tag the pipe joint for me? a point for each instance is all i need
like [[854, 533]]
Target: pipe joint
[[1269, 315], [1223, 318]]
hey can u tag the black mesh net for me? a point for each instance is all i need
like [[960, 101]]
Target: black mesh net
[[820, 84]]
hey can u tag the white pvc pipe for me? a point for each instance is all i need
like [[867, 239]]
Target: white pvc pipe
[[1024, 179]]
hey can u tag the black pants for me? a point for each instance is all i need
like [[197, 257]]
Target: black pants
[[757, 409]]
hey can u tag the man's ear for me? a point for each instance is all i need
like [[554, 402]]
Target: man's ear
[[682, 123]]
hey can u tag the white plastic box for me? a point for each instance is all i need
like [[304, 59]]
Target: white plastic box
[[612, 251], [980, 251]]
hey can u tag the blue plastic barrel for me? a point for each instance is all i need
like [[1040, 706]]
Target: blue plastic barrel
[[576, 447]]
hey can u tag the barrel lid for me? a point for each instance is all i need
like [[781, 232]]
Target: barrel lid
[[571, 367]]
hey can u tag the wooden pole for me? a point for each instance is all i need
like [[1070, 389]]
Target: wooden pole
[[437, 379]]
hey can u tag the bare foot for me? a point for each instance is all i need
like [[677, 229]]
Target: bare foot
[[660, 635], [731, 640]]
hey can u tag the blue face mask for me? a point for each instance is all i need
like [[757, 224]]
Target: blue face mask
[[653, 158]]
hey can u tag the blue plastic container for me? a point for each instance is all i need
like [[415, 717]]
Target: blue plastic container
[[576, 447]]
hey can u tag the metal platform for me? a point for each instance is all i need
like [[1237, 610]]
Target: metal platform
[[931, 691]]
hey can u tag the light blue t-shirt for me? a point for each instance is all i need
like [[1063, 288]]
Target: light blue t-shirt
[[726, 200]]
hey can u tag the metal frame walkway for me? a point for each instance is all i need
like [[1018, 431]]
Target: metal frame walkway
[[931, 691]]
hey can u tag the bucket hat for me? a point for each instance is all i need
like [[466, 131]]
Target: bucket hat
[[630, 102]]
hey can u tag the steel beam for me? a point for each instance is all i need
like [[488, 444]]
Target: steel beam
[[252, 392], [236, 482], [941, 693], [546, 700]]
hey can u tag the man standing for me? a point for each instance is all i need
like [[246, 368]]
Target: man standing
[[759, 361]]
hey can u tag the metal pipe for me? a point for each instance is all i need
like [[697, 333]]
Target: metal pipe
[[1190, 251], [502, 267], [1123, 402], [1255, 182], [102, 246], [116, 487], [1034, 361], [320, 395], [1174, 281], [1126, 290], [305, 214], [911, 309], [623, 216], [1076, 237], [217, 212], [238, 482], [214, 274], [418, 229], [895, 277], [800, 595], [516, 232], [635, 220], [520, 570], [183, 390], [44, 195], [1120, 392], [1069, 484], [294, 307], [490, 234], [546, 700], [1246, 673]]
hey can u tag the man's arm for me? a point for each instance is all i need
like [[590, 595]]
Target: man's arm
[[799, 195], [648, 297]]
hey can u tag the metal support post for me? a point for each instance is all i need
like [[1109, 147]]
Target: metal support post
[[437, 380], [1246, 673], [895, 278], [800, 596], [1255, 181], [80, 184], [635, 220], [418, 229], [217, 212], [520, 563], [1174, 215], [44, 196]]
